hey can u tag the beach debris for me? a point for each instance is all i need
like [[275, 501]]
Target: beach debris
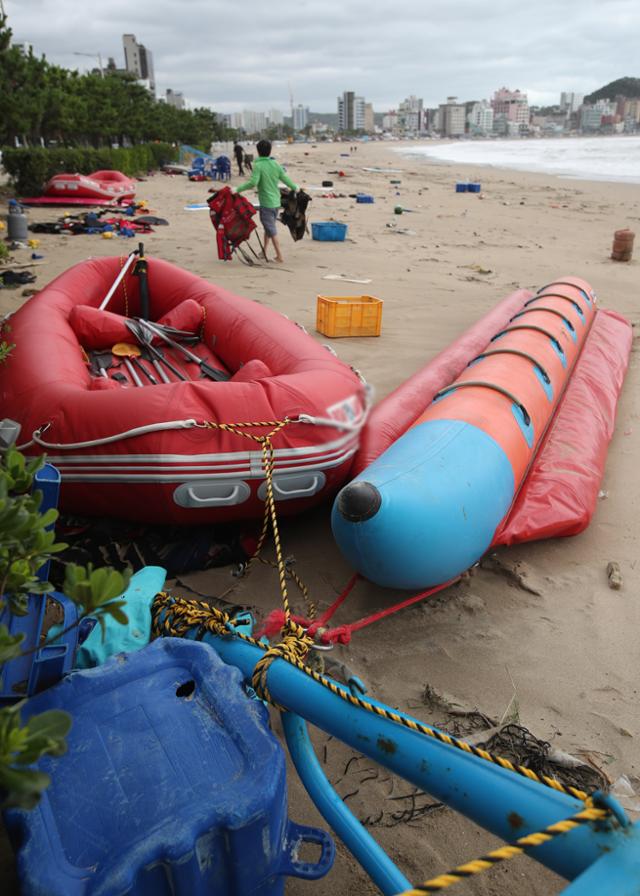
[[622, 790], [344, 279], [622, 249], [477, 268], [614, 575], [517, 572], [603, 495], [12, 279], [472, 603]]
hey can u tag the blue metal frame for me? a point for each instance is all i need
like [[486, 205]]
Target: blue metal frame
[[357, 839], [504, 803]]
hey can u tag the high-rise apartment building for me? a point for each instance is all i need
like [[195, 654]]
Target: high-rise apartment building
[[175, 99], [253, 122], [275, 117], [513, 105], [350, 112], [139, 61], [570, 102], [410, 115], [452, 118], [368, 121], [300, 117], [480, 118]]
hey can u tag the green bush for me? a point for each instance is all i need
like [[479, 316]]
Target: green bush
[[30, 169]]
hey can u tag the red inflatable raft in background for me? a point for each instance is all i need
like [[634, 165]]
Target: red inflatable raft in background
[[100, 185], [149, 453]]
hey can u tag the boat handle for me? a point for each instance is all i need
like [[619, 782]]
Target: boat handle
[[214, 501], [483, 385], [309, 490]]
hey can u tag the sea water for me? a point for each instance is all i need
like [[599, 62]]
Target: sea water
[[588, 158]]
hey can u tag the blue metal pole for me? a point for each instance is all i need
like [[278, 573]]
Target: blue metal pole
[[616, 872], [504, 803], [356, 838]]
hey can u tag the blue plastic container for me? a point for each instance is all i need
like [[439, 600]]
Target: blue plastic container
[[30, 674], [474, 188], [364, 198], [172, 784], [329, 231], [461, 188]]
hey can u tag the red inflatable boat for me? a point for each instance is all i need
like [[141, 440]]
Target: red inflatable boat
[[145, 450], [107, 185]]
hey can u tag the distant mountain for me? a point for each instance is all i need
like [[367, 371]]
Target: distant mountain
[[629, 87]]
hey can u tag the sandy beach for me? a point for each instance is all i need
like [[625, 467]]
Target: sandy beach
[[568, 653]]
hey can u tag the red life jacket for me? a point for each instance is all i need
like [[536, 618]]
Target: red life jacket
[[232, 219]]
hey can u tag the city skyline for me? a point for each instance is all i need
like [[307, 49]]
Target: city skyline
[[432, 50]]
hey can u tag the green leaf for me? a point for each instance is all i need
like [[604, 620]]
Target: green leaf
[[9, 644], [23, 786], [45, 733], [54, 724], [114, 609]]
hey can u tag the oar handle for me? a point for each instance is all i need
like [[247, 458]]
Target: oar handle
[[118, 280]]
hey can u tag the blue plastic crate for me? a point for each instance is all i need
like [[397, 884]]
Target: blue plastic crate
[[474, 188], [364, 198], [328, 231], [461, 188], [172, 784]]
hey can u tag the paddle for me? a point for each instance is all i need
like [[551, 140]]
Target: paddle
[[144, 337], [206, 368], [130, 354], [140, 271], [118, 280]]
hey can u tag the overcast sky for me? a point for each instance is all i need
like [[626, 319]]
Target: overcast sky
[[243, 55]]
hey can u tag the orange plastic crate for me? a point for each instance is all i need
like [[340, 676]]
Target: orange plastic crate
[[349, 316]]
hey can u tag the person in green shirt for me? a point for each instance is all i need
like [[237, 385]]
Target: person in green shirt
[[266, 176]]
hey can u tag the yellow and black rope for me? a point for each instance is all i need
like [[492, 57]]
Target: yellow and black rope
[[181, 614], [504, 853]]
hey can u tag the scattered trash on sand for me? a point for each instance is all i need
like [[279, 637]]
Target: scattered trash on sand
[[614, 575], [477, 268], [515, 571], [344, 279]]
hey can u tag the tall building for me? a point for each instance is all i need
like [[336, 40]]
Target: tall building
[[480, 118], [275, 117], [390, 120], [452, 118], [410, 115], [175, 99], [139, 61], [591, 117], [350, 112], [300, 117], [570, 102], [368, 121], [253, 122], [513, 105]]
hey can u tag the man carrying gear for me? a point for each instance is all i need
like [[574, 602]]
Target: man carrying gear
[[266, 176]]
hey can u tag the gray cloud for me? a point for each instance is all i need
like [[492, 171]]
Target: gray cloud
[[230, 55]]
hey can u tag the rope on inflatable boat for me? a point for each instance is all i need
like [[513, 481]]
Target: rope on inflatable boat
[[36, 438]]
